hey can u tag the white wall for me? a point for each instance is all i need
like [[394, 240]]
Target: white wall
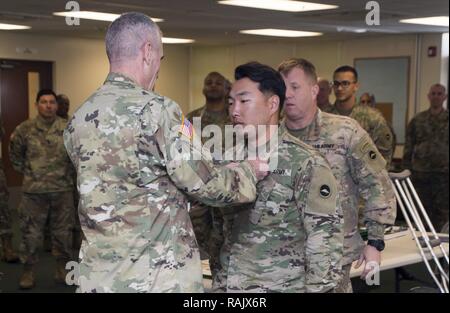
[[326, 56], [80, 65]]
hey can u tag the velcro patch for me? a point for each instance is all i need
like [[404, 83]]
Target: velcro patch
[[186, 128], [366, 151], [322, 195]]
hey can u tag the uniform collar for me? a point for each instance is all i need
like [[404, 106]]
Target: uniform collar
[[43, 124], [440, 115], [120, 79], [310, 132], [344, 112]]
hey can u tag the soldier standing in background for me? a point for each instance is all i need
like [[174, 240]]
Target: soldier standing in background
[[63, 112], [8, 253], [345, 86], [63, 106], [426, 155], [356, 163], [37, 151], [369, 100], [323, 97], [207, 222]]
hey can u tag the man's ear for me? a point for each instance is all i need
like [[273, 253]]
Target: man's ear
[[356, 86], [147, 51], [315, 90], [274, 103]]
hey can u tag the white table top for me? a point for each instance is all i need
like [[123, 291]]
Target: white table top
[[402, 251]]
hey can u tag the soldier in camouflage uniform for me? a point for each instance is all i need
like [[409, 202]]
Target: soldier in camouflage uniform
[[63, 106], [354, 159], [215, 112], [5, 217], [323, 97], [290, 239], [63, 111], [132, 151], [37, 151], [426, 155], [369, 100], [345, 86]]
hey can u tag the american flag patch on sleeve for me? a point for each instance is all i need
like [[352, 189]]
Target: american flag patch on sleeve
[[186, 128]]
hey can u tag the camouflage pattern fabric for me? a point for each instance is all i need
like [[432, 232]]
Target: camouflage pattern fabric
[[291, 238], [427, 154], [432, 188], [329, 108], [33, 212], [131, 149], [5, 215], [345, 285], [5, 218], [360, 172], [426, 143], [208, 232], [37, 151], [373, 122]]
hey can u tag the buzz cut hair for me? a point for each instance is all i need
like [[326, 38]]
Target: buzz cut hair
[[126, 35], [307, 67]]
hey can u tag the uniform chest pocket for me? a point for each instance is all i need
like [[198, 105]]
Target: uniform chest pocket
[[423, 134], [271, 206]]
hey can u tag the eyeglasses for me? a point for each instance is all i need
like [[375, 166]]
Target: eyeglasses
[[344, 83]]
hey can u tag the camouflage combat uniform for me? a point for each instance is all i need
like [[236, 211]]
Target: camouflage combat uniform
[[360, 172], [5, 218], [426, 154], [37, 151], [129, 147], [328, 108], [373, 122], [291, 238], [207, 222]]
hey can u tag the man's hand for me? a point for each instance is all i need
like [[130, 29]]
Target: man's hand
[[261, 168], [370, 254]]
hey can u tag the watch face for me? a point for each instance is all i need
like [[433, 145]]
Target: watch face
[[377, 244]]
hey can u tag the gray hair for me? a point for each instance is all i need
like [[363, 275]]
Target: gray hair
[[127, 33]]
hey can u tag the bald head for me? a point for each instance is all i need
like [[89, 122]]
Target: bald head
[[127, 34]]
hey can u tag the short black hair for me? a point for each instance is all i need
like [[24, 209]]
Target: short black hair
[[268, 79], [44, 92], [347, 68]]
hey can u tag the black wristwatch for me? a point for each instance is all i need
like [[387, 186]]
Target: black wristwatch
[[377, 244]]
